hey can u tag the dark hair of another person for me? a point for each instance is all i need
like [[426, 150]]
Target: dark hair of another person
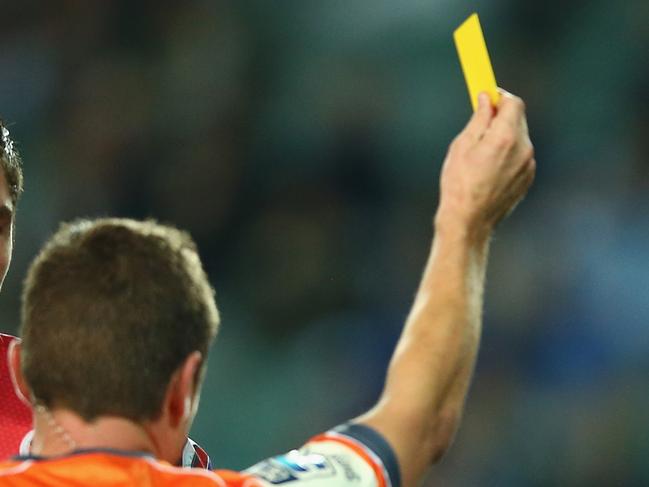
[[11, 164], [110, 309]]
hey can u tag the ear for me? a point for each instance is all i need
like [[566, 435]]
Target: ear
[[183, 390], [16, 373]]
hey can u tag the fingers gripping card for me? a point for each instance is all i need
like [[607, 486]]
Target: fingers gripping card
[[474, 58]]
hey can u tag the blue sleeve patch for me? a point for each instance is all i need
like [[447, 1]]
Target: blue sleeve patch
[[293, 466], [374, 441]]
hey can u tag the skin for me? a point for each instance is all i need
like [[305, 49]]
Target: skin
[[6, 227], [164, 437], [487, 171]]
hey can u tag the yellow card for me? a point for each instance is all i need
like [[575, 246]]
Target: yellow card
[[474, 58]]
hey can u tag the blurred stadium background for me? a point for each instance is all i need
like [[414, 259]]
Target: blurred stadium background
[[300, 143]]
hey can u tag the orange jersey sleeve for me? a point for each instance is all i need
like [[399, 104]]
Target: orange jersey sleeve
[[349, 456]]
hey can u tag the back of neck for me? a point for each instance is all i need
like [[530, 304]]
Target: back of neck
[[61, 431]]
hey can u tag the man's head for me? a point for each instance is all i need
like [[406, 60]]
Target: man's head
[[117, 319], [11, 187]]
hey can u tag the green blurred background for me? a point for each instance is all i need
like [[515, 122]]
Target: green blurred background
[[300, 143]]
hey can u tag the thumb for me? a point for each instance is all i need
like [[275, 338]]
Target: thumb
[[481, 119]]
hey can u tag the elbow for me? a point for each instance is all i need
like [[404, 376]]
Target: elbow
[[441, 434]]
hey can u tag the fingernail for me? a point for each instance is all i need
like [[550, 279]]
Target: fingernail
[[483, 99]]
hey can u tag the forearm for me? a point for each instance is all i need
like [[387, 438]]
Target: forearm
[[488, 169], [432, 365], [435, 356]]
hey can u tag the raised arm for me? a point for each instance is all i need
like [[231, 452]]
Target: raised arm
[[488, 169]]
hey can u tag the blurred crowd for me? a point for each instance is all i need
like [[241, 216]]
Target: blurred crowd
[[300, 144]]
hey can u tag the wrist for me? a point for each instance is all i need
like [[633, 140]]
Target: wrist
[[461, 229]]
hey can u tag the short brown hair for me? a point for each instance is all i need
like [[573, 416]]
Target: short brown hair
[[110, 309], [11, 164]]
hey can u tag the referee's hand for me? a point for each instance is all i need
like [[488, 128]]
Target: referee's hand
[[488, 169]]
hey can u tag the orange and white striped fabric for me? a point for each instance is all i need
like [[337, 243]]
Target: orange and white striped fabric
[[353, 455]]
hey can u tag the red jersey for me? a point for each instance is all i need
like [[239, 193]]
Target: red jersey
[[15, 416], [350, 456]]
